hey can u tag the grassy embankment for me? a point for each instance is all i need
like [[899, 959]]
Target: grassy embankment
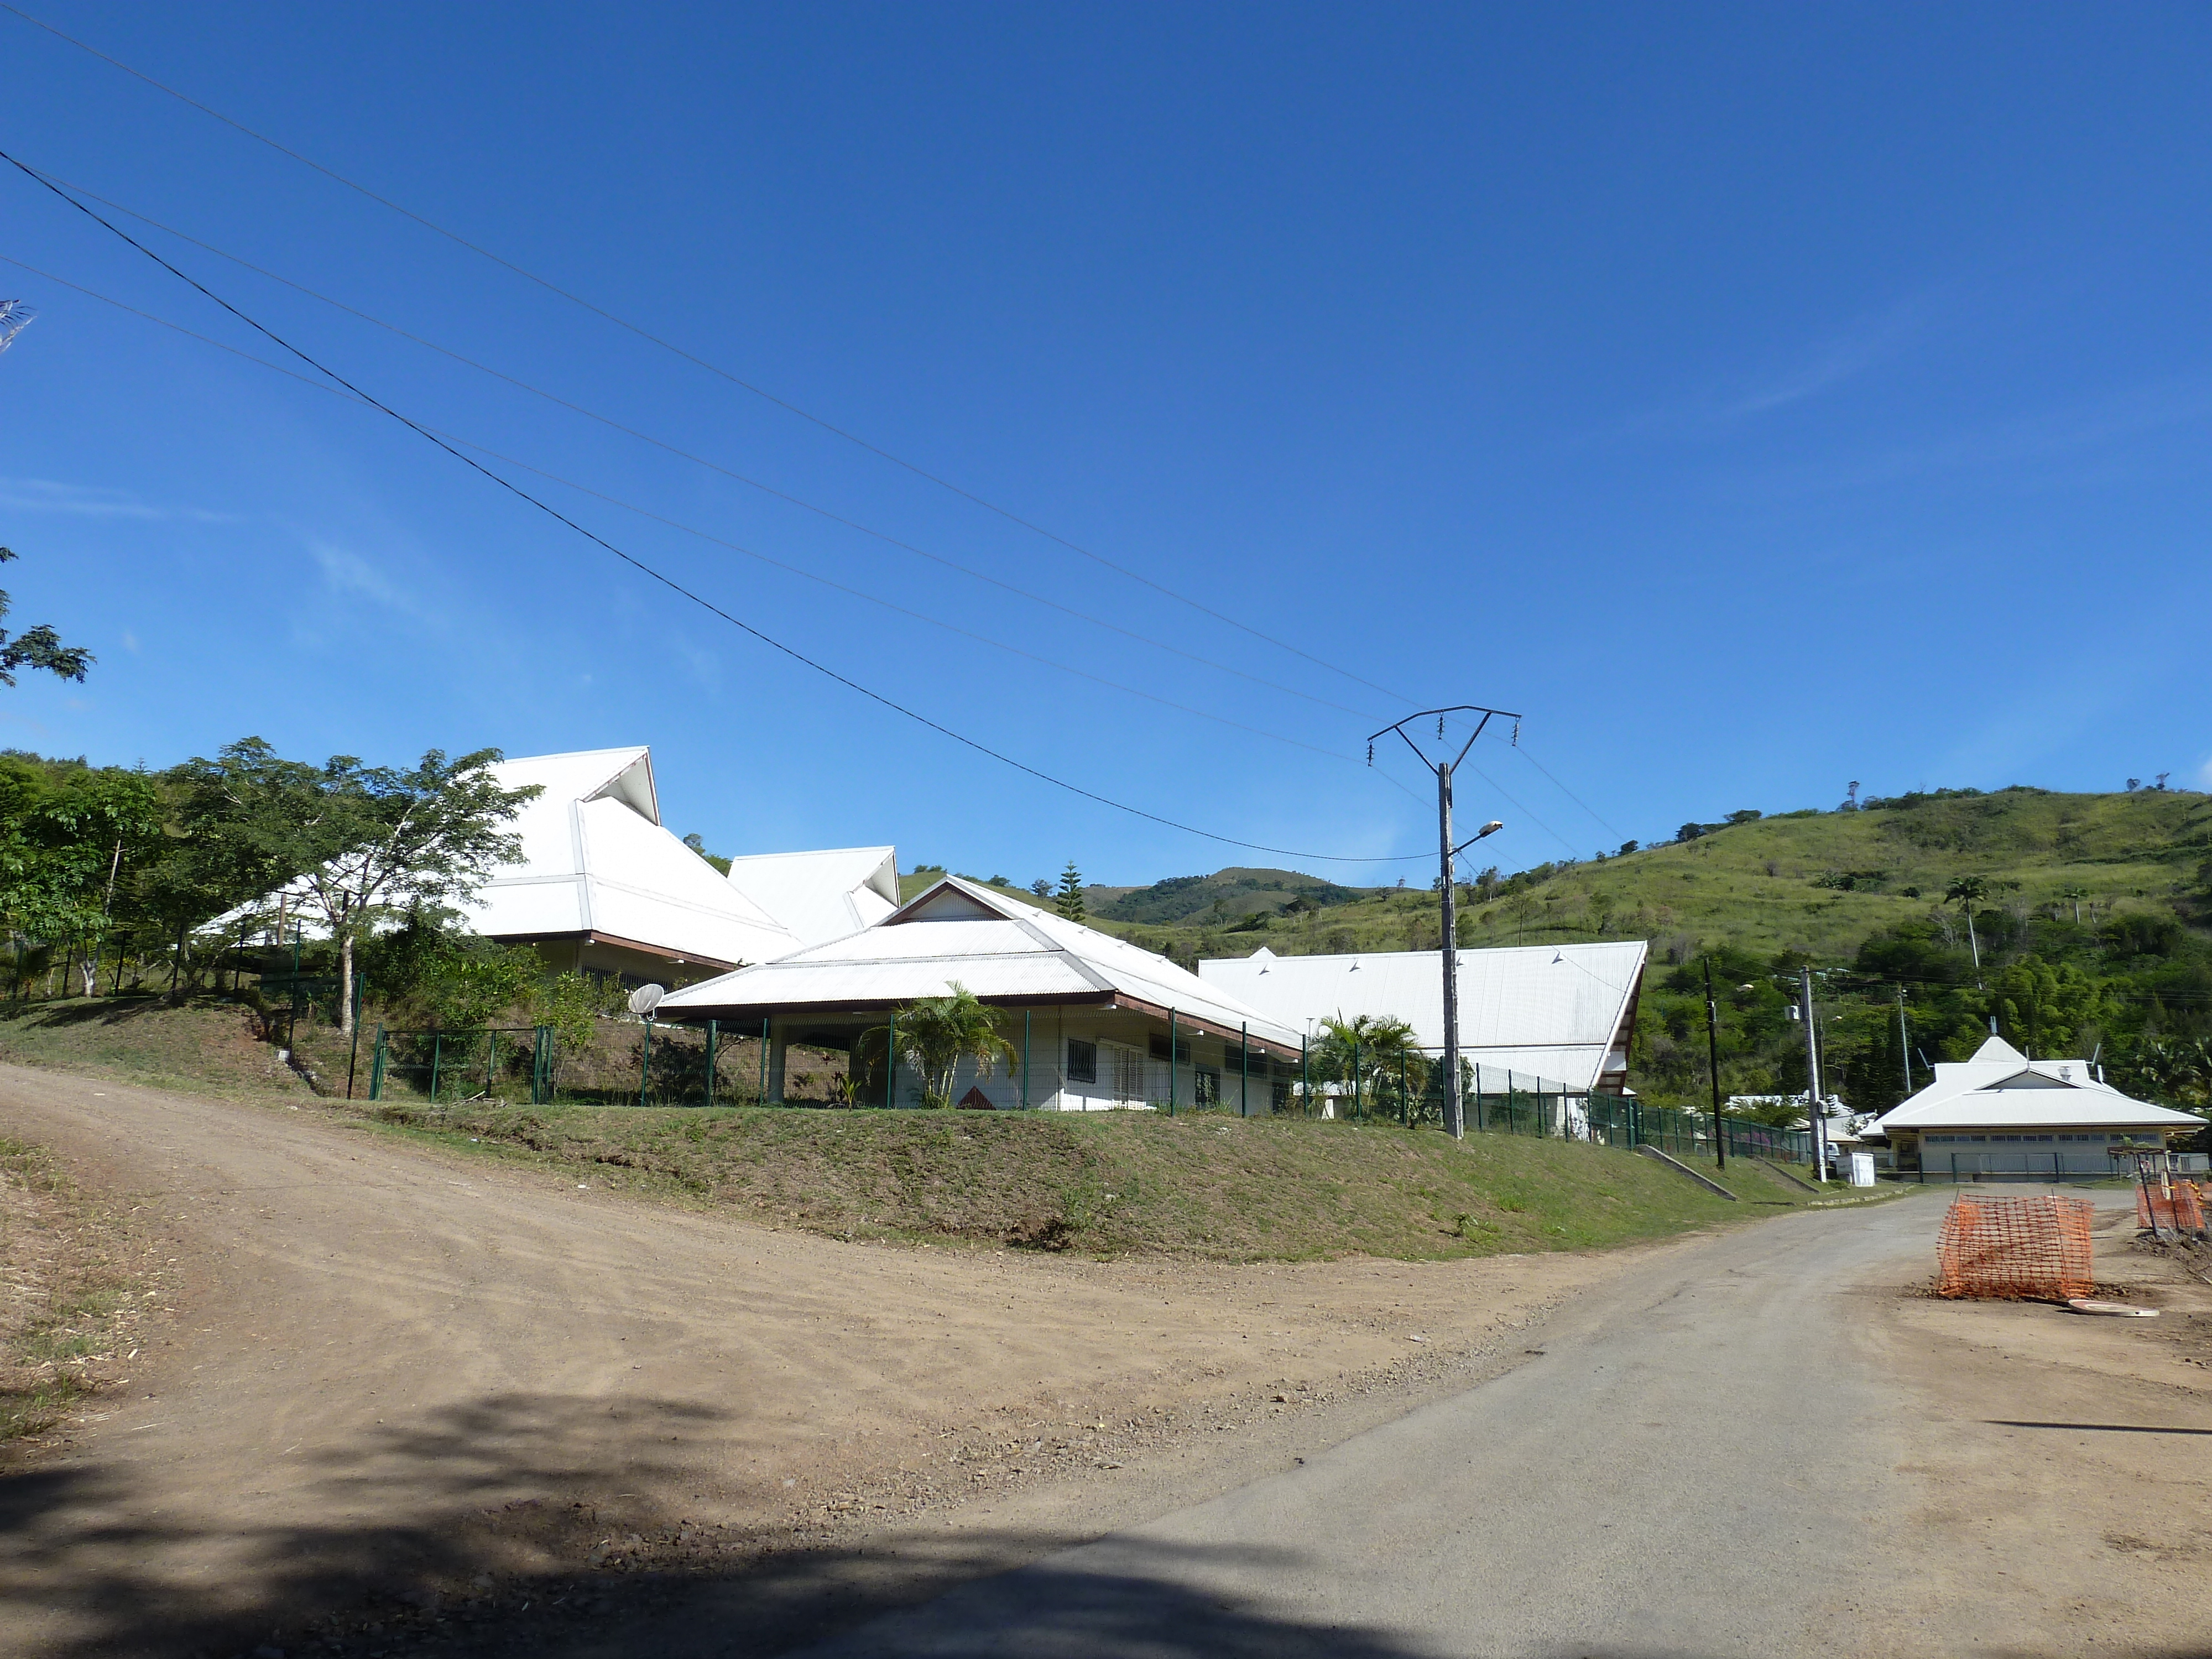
[[1126, 1182], [1196, 1186]]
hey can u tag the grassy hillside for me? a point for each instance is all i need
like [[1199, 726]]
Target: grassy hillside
[[1819, 883]]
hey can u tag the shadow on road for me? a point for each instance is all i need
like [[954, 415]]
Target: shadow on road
[[503, 1526]]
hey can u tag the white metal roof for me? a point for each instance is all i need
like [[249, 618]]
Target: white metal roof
[[821, 895], [1564, 1011], [998, 947], [597, 859], [2001, 1088]]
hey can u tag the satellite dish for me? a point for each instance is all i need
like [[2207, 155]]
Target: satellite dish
[[646, 998]]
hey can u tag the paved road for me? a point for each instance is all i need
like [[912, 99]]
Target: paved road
[[1700, 1463]]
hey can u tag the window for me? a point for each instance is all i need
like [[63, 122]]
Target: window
[[1082, 1062], [1206, 1087]]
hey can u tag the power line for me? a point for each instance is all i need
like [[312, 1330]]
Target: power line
[[799, 571], [553, 288], [669, 582], [328, 390], [751, 483], [1568, 793]]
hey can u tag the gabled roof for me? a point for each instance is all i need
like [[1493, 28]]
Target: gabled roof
[[1564, 1011], [1004, 951], [597, 860], [2001, 1088], [821, 895]]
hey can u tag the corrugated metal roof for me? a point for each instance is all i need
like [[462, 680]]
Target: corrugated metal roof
[[997, 946], [597, 859], [821, 895], [1560, 1011]]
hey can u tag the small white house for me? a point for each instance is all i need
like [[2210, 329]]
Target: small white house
[[2003, 1115], [1095, 1022]]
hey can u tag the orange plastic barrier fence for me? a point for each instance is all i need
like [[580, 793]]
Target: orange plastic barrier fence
[[2031, 1248], [2184, 1212]]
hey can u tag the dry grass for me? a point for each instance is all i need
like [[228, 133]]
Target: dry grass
[[1123, 1183], [64, 1287]]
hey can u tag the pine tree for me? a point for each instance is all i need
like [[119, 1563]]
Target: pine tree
[[1068, 901]]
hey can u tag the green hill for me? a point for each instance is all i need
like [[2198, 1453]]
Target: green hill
[[2093, 927]]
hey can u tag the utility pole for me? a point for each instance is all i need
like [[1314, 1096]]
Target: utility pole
[[1713, 1063], [1904, 1041], [1454, 1124], [1814, 1112]]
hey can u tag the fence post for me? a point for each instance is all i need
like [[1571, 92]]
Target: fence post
[[645, 1065], [353, 1058], [1025, 1059], [890, 1063], [710, 1063], [1356, 1107], [1244, 1048], [761, 1099], [1173, 1079], [541, 1066], [437, 1054], [491, 1057], [1405, 1106], [376, 1067]]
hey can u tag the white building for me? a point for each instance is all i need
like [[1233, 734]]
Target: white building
[[1565, 1013], [1095, 1022], [821, 895], [604, 887], [2003, 1114]]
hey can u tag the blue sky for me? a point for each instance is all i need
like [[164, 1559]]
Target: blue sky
[[1755, 398]]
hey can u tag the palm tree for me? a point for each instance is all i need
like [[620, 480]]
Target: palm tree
[[1369, 1051], [2178, 1069], [935, 1034], [1966, 893]]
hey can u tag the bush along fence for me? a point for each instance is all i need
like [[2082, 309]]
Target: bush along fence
[[622, 1065], [650, 1064], [1407, 1087]]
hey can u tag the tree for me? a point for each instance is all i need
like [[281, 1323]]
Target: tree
[[1368, 1051], [935, 1034], [1068, 901], [2075, 896], [39, 647], [697, 844], [1966, 893], [2178, 1070], [69, 837], [350, 844]]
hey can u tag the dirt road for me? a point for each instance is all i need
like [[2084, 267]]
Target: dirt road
[[387, 1372], [1758, 1447]]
